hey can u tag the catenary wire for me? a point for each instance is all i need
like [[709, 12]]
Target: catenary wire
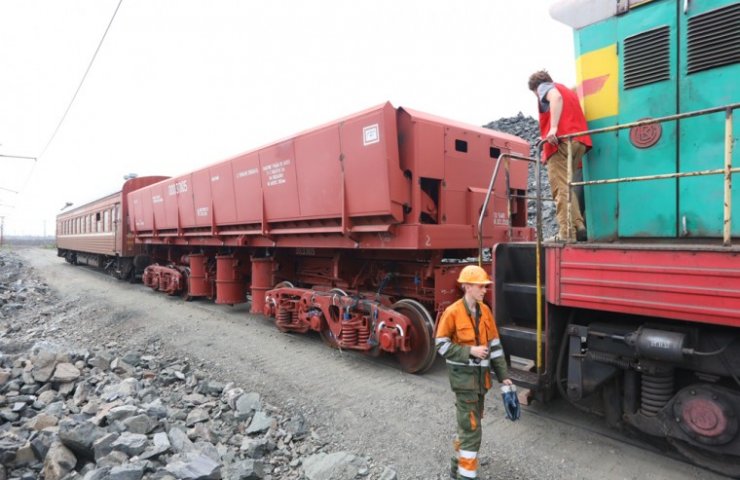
[[74, 97], [71, 102]]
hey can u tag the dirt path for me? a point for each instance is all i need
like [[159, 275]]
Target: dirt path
[[367, 407]]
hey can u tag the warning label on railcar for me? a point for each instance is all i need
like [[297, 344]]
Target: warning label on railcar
[[275, 172], [370, 134], [247, 173], [177, 188]]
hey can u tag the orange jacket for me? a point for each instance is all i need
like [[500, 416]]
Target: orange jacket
[[456, 334]]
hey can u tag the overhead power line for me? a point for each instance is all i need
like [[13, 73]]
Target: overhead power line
[[19, 156], [71, 102], [89, 66]]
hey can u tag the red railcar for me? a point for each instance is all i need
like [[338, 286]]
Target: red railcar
[[98, 235], [360, 225]]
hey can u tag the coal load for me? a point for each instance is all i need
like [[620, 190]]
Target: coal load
[[528, 129]]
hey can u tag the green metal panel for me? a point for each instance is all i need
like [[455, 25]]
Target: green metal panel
[[600, 162], [701, 199], [647, 208]]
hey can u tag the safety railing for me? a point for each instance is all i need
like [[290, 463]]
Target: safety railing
[[504, 158], [728, 170]]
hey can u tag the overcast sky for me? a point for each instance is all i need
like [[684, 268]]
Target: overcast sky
[[180, 84]]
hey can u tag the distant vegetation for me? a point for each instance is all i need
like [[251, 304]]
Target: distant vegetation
[[28, 241]]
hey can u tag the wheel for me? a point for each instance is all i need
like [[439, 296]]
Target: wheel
[[284, 284], [421, 357], [724, 464], [185, 292], [327, 336]]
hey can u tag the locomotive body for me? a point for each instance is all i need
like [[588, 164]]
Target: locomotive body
[[641, 324]]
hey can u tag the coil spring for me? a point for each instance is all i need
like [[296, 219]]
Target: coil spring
[[284, 317], [363, 334], [657, 391], [349, 335], [609, 359]]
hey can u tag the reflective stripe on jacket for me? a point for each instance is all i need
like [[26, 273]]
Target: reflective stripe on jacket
[[454, 337]]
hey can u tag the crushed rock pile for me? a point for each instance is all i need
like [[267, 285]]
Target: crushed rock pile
[[528, 129], [70, 413]]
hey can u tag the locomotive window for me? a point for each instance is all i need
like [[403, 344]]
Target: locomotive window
[[98, 223], [461, 146], [495, 152]]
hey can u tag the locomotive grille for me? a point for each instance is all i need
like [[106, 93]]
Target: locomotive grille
[[714, 39], [647, 58]]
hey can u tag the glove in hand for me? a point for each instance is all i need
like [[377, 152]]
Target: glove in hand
[[511, 402]]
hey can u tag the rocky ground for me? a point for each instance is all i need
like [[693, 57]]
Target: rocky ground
[[104, 379], [114, 412]]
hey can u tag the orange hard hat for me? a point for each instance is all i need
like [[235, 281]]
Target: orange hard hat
[[474, 274]]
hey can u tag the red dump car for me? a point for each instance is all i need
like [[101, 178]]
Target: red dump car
[[355, 229]]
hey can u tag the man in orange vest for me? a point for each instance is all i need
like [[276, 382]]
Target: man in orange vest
[[468, 340], [561, 114]]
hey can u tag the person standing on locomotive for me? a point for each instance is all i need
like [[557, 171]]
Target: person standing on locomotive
[[561, 114], [468, 340]]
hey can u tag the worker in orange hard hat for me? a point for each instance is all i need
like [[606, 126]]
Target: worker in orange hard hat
[[468, 340]]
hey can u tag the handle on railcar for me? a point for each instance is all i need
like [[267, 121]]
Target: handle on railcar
[[538, 246]]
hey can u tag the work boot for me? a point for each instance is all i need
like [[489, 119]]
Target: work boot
[[581, 235]]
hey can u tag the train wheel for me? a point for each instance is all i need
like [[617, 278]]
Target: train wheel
[[421, 356], [185, 292], [327, 336], [284, 284], [724, 464]]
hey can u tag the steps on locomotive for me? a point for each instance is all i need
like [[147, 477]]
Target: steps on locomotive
[[516, 309]]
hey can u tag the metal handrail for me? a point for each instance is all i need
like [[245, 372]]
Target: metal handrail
[[538, 245], [728, 170], [503, 157]]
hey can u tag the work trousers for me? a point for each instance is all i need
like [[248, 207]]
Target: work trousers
[[469, 407], [557, 172]]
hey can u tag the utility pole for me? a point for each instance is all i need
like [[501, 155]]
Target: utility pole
[[2, 225]]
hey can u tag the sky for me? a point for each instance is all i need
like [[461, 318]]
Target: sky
[[180, 84]]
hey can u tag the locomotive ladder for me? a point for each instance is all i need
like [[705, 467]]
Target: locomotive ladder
[[519, 285]]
